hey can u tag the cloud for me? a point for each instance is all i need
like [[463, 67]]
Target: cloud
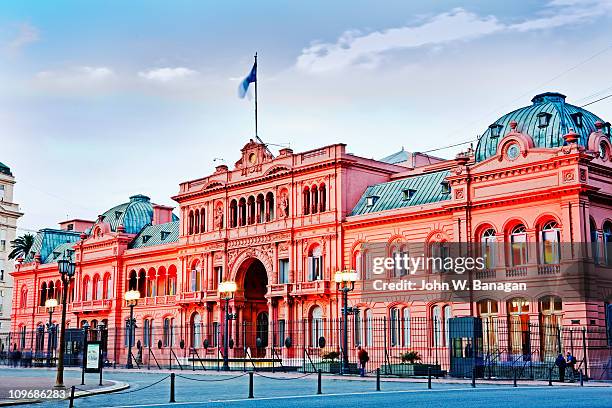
[[77, 73], [167, 74], [354, 48], [26, 34]]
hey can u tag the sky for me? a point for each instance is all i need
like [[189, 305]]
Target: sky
[[100, 100]]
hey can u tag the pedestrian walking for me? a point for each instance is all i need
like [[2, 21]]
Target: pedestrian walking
[[571, 363], [363, 357]]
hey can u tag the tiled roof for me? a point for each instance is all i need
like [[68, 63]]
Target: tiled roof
[[421, 189], [561, 120], [60, 252], [134, 215], [5, 169], [47, 239], [160, 234], [395, 158]]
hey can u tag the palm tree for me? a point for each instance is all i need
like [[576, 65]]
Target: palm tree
[[21, 246]]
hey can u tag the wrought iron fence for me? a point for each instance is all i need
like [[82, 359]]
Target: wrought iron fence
[[490, 347]]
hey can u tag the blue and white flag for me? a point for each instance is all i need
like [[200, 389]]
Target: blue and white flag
[[244, 84]]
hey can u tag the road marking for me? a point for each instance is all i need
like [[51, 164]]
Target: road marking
[[285, 397]]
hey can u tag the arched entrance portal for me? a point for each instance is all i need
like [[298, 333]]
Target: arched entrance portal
[[255, 311]]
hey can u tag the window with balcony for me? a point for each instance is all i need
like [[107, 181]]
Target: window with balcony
[[518, 245], [315, 263], [550, 245], [487, 248]]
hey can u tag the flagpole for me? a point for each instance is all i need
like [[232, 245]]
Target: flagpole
[[256, 134]]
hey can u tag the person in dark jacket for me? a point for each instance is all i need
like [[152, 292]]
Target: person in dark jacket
[[571, 363], [363, 357], [561, 364]]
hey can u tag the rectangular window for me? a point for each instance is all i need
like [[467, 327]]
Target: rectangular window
[[219, 273], [315, 268], [283, 271], [1, 193], [2, 240], [550, 247], [281, 333], [519, 249]]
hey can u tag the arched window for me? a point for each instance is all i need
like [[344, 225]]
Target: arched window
[[202, 221], [368, 330], [242, 212], [594, 240], [440, 251], [487, 311], [196, 330], [316, 325], [446, 311], [50, 290], [251, 210], [142, 283], [356, 264], [195, 277], [171, 289], [269, 207], [233, 214], [519, 332], [86, 295], [406, 327], [107, 287], [168, 340], [133, 281], [315, 263], [146, 333], [261, 208], [190, 223], [306, 201], [487, 248], [196, 222], [550, 245], [43, 294], [58, 291], [23, 302], [95, 288], [322, 198], [314, 201], [436, 319], [161, 281], [518, 245], [607, 242], [395, 329], [151, 283]]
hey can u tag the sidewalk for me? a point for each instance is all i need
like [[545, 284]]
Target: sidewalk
[[45, 385]]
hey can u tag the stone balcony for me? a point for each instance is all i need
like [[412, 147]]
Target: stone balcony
[[319, 287], [158, 300], [279, 290], [98, 305], [197, 297]]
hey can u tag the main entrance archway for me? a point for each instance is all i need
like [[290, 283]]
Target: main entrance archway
[[254, 324]]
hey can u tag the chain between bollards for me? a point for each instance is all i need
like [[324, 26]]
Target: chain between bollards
[[172, 376], [429, 378], [378, 379], [319, 382], [251, 385], [71, 397]]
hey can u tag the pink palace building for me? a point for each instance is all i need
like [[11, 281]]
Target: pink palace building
[[281, 226]]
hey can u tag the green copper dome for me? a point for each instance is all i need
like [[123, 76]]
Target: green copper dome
[[133, 215], [546, 121]]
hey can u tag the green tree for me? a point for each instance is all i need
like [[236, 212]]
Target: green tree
[[21, 246]]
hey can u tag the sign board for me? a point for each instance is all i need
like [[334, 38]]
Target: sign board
[[93, 357]]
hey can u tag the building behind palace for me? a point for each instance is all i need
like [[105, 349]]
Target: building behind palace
[[281, 226], [9, 213]]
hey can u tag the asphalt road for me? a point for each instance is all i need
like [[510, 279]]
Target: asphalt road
[[209, 391]]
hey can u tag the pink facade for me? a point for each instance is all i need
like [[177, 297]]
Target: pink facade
[[281, 226]]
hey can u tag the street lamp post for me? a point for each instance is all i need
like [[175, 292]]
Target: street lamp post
[[50, 305], [345, 281], [66, 269], [131, 297], [226, 292]]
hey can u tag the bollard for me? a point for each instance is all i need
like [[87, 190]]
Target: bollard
[[515, 378], [429, 378], [378, 379], [71, 397], [581, 379], [474, 377], [251, 385], [172, 388], [319, 383], [550, 377]]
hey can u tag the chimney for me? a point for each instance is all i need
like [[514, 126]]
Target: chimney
[[161, 214]]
